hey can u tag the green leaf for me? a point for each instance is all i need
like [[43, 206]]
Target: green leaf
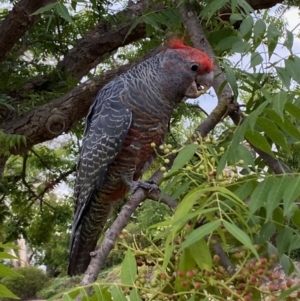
[[183, 157], [231, 79], [260, 194], [295, 243], [287, 264], [187, 203], [44, 9], [293, 69], [244, 190], [287, 292], [283, 240], [226, 43], [148, 19], [289, 41], [284, 76], [199, 233], [245, 7], [9, 245], [296, 218], [200, 247], [212, 7], [180, 189], [6, 293], [266, 231], [259, 29], [132, 27], [6, 271], [278, 102], [240, 47], [272, 38], [272, 131], [168, 254], [128, 269], [278, 218], [251, 119], [256, 59], [102, 293], [276, 194], [62, 10], [4, 255], [235, 17], [244, 153], [134, 295], [258, 140], [66, 297], [117, 294], [286, 124], [292, 192], [240, 235], [186, 263], [246, 26], [293, 110]]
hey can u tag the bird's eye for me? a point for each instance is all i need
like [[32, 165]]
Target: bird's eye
[[194, 67]]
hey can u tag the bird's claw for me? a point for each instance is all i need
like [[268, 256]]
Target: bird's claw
[[147, 185]]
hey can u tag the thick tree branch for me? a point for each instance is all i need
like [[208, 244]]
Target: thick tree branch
[[60, 115], [17, 22], [103, 39]]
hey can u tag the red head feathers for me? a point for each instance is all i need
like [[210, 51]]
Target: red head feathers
[[192, 53]]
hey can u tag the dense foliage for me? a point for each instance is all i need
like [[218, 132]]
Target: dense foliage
[[237, 188]]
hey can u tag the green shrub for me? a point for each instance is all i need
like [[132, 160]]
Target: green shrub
[[27, 285], [59, 284]]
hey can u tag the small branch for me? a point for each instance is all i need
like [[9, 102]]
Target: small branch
[[99, 256], [60, 115], [227, 105], [41, 160], [197, 107], [224, 260], [17, 22]]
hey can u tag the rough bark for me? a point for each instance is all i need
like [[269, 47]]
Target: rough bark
[[89, 51], [58, 116], [17, 22], [52, 119], [103, 39]]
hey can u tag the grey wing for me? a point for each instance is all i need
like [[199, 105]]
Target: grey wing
[[106, 127]]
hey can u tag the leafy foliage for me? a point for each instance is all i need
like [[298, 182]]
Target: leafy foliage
[[228, 196], [29, 281], [5, 292]]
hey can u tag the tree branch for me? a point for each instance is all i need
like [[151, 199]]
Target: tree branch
[[226, 103], [103, 39], [60, 115], [99, 256], [17, 22]]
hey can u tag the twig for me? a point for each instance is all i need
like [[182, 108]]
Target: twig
[[224, 260], [99, 256], [39, 157], [197, 107]]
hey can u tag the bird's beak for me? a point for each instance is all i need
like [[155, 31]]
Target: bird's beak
[[201, 84], [205, 81]]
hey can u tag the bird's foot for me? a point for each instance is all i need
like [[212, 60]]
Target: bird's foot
[[147, 185]]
